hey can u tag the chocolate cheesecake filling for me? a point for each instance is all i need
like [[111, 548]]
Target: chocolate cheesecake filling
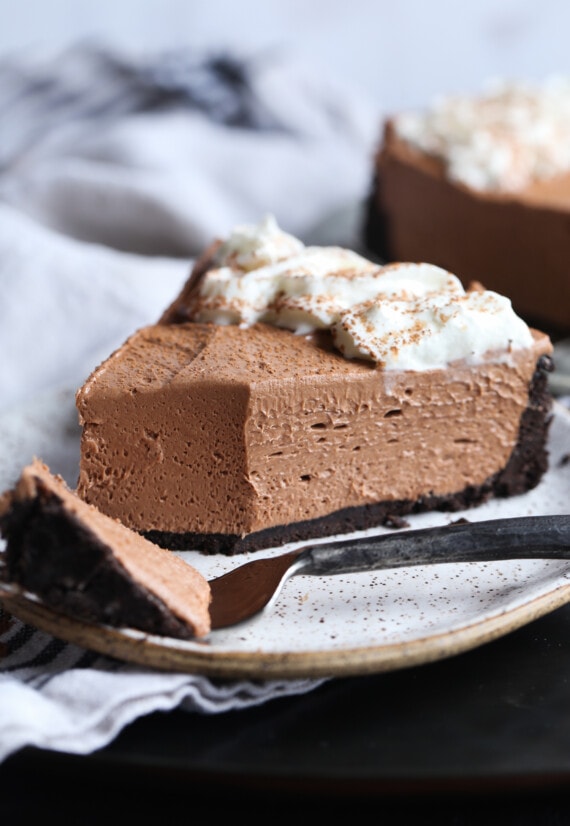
[[524, 469], [224, 439]]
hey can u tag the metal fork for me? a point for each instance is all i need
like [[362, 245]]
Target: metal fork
[[254, 586]]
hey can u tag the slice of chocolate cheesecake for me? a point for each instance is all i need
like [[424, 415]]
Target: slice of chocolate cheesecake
[[480, 185], [87, 565], [292, 392]]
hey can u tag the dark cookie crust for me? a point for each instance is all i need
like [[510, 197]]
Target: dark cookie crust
[[523, 471], [375, 230]]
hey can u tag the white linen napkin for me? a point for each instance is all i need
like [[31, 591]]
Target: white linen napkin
[[60, 697], [66, 303], [157, 154], [115, 172]]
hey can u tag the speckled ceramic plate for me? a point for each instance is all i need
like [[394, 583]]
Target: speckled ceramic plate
[[331, 626]]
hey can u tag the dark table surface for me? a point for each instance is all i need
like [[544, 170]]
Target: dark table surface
[[482, 737]]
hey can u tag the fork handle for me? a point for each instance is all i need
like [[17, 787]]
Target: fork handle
[[526, 537]]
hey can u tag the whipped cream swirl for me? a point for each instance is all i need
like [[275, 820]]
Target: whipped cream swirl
[[403, 316], [503, 140]]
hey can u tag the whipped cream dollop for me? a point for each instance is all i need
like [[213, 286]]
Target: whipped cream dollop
[[405, 316], [503, 140]]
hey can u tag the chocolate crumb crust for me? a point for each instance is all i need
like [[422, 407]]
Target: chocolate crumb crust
[[51, 553], [375, 229], [524, 470]]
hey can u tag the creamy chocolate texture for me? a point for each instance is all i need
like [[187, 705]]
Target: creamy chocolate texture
[[82, 562], [198, 430], [482, 188]]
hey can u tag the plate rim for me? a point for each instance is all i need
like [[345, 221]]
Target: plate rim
[[195, 657]]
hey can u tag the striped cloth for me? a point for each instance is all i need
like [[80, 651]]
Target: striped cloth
[[39, 99], [61, 697], [159, 153], [115, 171]]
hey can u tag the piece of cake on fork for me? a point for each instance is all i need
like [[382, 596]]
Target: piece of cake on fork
[[85, 564]]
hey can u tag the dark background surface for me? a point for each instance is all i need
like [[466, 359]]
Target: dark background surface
[[483, 737]]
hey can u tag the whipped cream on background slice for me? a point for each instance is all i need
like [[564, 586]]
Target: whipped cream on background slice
[[404, 316], [503, 140]]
